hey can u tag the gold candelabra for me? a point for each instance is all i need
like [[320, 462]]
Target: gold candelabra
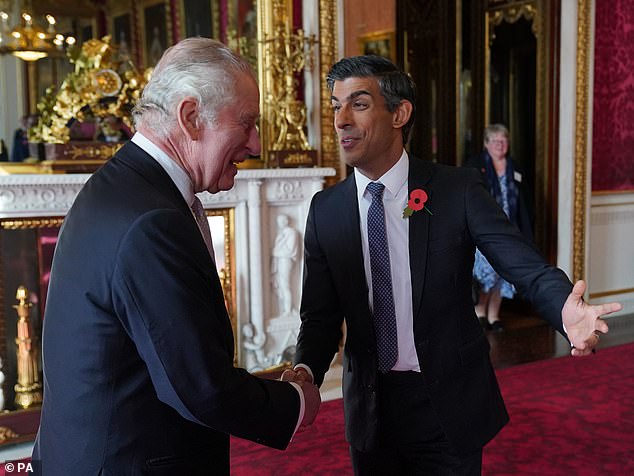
[[28, 390], [289, 53]]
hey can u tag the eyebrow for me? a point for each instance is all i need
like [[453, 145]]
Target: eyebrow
[[354, 95]]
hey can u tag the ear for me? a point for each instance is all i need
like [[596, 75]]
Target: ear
[[402, 114], [188, 116]]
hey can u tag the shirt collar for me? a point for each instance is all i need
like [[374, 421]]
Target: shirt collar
[[175, 171], [393, 179]]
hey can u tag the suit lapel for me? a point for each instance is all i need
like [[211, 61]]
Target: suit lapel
[[419, 223], [349, 231], [350, 227]]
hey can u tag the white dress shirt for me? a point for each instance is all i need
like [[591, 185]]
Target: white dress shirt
[[394, 201]]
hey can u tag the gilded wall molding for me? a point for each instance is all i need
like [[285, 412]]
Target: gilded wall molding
[[30, 223], [327, 57], [581, 140]]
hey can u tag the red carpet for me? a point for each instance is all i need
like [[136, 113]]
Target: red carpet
[[568, 417], [318, 450]]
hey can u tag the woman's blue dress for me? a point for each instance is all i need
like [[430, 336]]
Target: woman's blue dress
[[483, 272]]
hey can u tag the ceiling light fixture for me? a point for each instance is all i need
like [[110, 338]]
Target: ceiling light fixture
[[28, 41]]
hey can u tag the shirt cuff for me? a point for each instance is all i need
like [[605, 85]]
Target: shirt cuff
[[306, 368], [302, 406], [566, 331]]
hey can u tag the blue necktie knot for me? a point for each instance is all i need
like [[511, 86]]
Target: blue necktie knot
[[376, 189]]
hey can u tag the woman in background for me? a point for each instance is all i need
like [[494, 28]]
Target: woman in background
[[504, 182]]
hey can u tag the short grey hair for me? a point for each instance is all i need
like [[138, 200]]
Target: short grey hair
[[495, 129], [201, 68]]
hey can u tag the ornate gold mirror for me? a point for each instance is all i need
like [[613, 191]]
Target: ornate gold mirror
[[26, 252]]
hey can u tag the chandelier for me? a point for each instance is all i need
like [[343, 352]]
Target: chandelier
[[28, 41]]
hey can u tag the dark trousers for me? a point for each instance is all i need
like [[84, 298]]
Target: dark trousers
[[412, 440]]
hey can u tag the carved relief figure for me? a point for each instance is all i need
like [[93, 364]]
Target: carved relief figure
[[284, 255]]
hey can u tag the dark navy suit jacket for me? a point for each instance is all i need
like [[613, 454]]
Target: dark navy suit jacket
[[452, 348], [137, 344]]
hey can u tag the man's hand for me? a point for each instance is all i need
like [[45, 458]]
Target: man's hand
[[312, 400], [583, 321], [300, 374]]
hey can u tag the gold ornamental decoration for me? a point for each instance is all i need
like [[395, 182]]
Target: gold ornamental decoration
[[286, 53], [289, 53], [107, 82], [327, 57], [584, 44], [103, 84], [28, 390], [7, 434]]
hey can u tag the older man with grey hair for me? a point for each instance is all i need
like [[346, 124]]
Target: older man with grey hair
[[137, 344]]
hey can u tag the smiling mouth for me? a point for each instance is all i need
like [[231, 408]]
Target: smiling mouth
[[347, 141], [238, 161]]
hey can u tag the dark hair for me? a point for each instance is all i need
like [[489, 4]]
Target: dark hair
[[395, 84]]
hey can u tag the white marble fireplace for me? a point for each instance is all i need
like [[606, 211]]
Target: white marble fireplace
[[258, 229]]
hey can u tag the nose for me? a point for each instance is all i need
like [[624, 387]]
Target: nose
[[253, 144], [343, 118]]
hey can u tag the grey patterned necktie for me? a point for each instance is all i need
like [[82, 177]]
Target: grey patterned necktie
[[203, 224], [382, 293]]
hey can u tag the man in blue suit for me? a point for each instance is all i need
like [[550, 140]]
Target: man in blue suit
[[137, 344], [420, 397]]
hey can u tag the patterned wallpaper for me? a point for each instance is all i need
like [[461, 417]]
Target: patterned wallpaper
[[613, 120]]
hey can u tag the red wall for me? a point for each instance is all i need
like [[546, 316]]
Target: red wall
[[366, 16], [613, 118]]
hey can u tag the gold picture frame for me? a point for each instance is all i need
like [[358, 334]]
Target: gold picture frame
[[194, 20], [122, 32], [222, 229], [122, 26], [381, 43], [154, 24]]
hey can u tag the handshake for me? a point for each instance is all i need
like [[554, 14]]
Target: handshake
[[312, 399]]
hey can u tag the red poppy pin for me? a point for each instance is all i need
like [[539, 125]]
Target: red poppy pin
[[416, 202]]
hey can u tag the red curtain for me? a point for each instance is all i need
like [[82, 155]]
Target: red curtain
[[613, 116]]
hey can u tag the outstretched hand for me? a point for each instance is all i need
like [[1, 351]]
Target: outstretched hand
[[583, 321]]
